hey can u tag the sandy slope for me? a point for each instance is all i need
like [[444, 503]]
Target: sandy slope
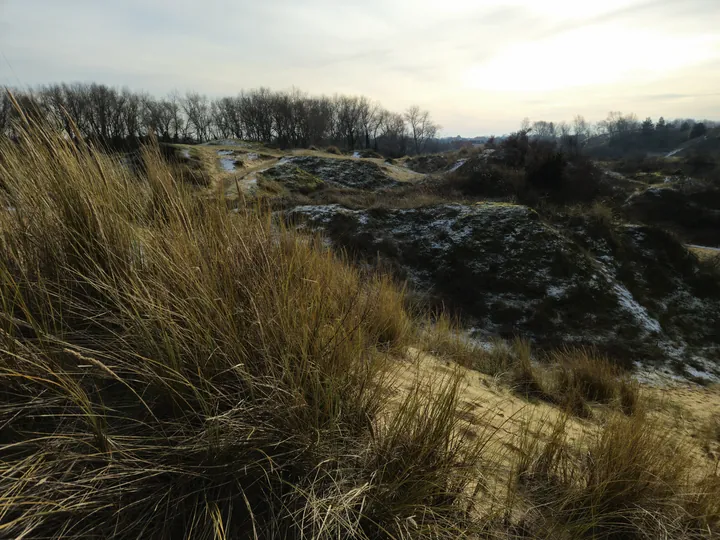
[[490, 409]]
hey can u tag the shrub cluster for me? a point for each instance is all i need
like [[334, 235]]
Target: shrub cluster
[[529, 170]]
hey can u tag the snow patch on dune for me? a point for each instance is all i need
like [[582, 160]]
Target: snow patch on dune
[[555, 291], [228, 165], [458, 164], [640, 314]]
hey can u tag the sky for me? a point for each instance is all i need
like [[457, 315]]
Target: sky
[[479, 66]]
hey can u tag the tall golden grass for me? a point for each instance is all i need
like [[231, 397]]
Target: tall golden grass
[[631, 479], [172, 369]]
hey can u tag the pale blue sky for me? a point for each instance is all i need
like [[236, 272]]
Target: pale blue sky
[[479, 66]]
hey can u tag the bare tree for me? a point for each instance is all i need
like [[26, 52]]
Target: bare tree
[[131, 114], [282, 117], [102, 109], [348, 111], [120, 116], [178, 124], [53, 101], [256, 108], [156, 117], [544, 130], [118, 108], [394, 134], [581, 129], [321, 119], [77, 103], [226, 117], [368, 118], [617, 123], [377, 122], [421, 126], [301, 118], [197, 110]]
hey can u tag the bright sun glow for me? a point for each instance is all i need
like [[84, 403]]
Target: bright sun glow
[[591, 56]]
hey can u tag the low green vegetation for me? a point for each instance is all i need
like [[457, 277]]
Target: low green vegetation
[[293, 179]]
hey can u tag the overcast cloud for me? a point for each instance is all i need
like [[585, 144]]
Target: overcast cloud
[[479, 66]]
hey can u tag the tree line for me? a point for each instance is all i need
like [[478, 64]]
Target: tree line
[[122, 118], [621, 133], [616, 123]]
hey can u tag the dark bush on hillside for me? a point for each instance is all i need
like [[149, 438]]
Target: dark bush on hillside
[[698, 130], [582, 182], [694, 215], [550, 171], [545, 167], [571, 145], [430, 164], [640, 163], [700, 162], [530, 170], [514, 149], [478, 178]]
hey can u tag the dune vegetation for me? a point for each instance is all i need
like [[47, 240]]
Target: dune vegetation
[[174, 365]]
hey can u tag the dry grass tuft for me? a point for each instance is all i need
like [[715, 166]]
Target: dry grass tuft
[[171, 369], [527, 379], [627, 481], [333, 150], [703, 504], [444, 338], [581, 376], [572, 378]]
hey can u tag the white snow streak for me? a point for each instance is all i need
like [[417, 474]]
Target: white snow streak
[[228, 165], [629, 304]]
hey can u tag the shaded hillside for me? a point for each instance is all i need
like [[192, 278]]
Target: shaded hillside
[[636, 293], [693, 213]]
